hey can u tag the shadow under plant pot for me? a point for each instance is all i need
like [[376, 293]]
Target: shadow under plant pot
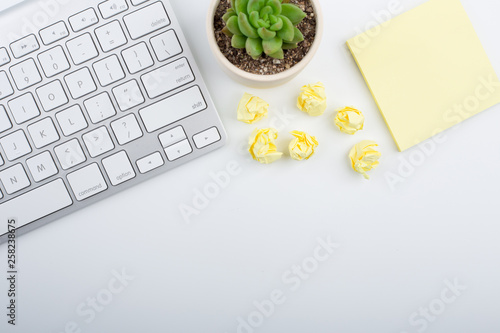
[[265, 71]]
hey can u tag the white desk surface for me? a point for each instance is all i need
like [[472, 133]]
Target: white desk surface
[[397, 246]]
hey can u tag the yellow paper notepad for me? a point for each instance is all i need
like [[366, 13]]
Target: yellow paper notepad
[[427, 70]]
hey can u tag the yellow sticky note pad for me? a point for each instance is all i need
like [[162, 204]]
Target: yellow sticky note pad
[[427, 70]]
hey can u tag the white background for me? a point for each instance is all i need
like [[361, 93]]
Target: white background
[[397, 245]]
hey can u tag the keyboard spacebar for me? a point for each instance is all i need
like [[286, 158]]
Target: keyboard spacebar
[[35, 204]]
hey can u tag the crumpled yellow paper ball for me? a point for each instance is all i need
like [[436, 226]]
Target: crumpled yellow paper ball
[[262, 147], [252, 109], [349, 120], [312, 100], [364, 157], [303, 146]]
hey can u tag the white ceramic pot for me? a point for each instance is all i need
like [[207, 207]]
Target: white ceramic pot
[[255, 80]]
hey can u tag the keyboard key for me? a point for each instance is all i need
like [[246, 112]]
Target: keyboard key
[[128, 95], [42, 201], [87, 182], [15, 145], [146, 20], [83, 20], [206, 138], [138, 2], [168, 78], [137, 58], [98, 142], [126, 129], [111, 8], [23, 108], [80, 83], [24, 46], [1, 160], [173, 136], [54, 33], [70, 154], [71, 120], [43, 133], [4, 56], [5, 123], [118, 168], [14, 179], [25, 74], [110, 36], [179, 106], [166, 45], [99, 108], [178, 150], [82, 49], [53, 61], [150, 162], [5, 86], [109, 70], [52, 95], [42, 166]]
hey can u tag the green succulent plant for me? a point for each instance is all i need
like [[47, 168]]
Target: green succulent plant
[[263, 26]]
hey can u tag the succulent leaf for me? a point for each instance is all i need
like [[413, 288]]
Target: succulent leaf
[[230, 12], [227, 32], [289, 46], [275, 5], [278, 55], [254, 47], [245, 27], [264, 24], [265, 12], [241, 6], [266, 34], [287, 32], [273, 19], [254, 19], [238, 42], [254, 5], [272, 45], [294, 13], [298, 37], [233, 26], [278, 25]]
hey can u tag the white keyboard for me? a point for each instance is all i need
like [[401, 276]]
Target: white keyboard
[[94, 98]]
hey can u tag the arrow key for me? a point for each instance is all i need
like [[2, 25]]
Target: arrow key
[[172, 136], [206, 138], [178, 150], [150, 162]]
